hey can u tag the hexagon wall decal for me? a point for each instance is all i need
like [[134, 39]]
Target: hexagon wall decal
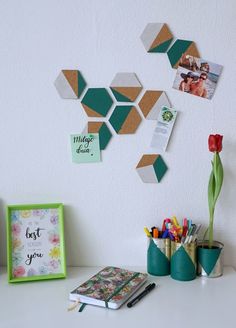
[[70, 84], [125, 87], [179, 49], [97, 102], [102, 129], [151, 168], [152, 102], [125, 119], [156, 37]]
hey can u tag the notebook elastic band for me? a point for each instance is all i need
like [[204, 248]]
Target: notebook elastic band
[[82, 307], [117, 290]]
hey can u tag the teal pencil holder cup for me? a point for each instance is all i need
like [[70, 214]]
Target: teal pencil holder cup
[[158, 257], [183, 261]]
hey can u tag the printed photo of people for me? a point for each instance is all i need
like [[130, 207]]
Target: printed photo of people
[[197, 76]]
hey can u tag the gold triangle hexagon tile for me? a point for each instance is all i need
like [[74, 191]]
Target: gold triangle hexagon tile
[[70, 84], [126, 87], [156, 37], [97, 102], [151, 103], [181, 48], [125, 119], [103, 131], [151, 168]]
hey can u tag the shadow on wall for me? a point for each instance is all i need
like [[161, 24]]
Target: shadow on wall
[[229, 257], [77, 252], [3, 238], [227, 197]]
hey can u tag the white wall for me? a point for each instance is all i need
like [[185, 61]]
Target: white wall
[[106, 204]]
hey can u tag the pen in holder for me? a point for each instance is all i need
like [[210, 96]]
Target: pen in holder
[[158, 256], [183, 261]]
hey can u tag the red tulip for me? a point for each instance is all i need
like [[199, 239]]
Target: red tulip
[[215, 143]]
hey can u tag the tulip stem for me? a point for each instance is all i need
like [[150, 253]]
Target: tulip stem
[[211, 225]]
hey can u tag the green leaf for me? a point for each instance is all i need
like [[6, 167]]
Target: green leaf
[[219, 175], [211, 192], [211, 204]]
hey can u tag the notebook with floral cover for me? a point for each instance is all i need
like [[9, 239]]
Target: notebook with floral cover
[[110, 287]]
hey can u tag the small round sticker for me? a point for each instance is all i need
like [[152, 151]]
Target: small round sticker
[[167, 116]]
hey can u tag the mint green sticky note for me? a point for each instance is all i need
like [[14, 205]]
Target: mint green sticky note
[[85, 148]]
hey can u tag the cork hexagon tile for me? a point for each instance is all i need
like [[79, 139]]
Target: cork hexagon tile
[[126, 87], [179, 49], [151, 168], [125, 119], [103, 131], [97, 102], [156, 37], [152, 102], [70, 84]]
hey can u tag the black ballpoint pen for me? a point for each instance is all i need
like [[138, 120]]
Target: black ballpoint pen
[[141, 295]]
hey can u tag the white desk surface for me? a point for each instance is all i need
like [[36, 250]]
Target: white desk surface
[[202, 302]]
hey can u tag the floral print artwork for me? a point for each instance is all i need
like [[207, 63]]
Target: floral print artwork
[[35, 242], [111, 284]]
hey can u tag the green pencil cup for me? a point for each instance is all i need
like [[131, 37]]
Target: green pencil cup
[[158, 257], [183, 261]]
